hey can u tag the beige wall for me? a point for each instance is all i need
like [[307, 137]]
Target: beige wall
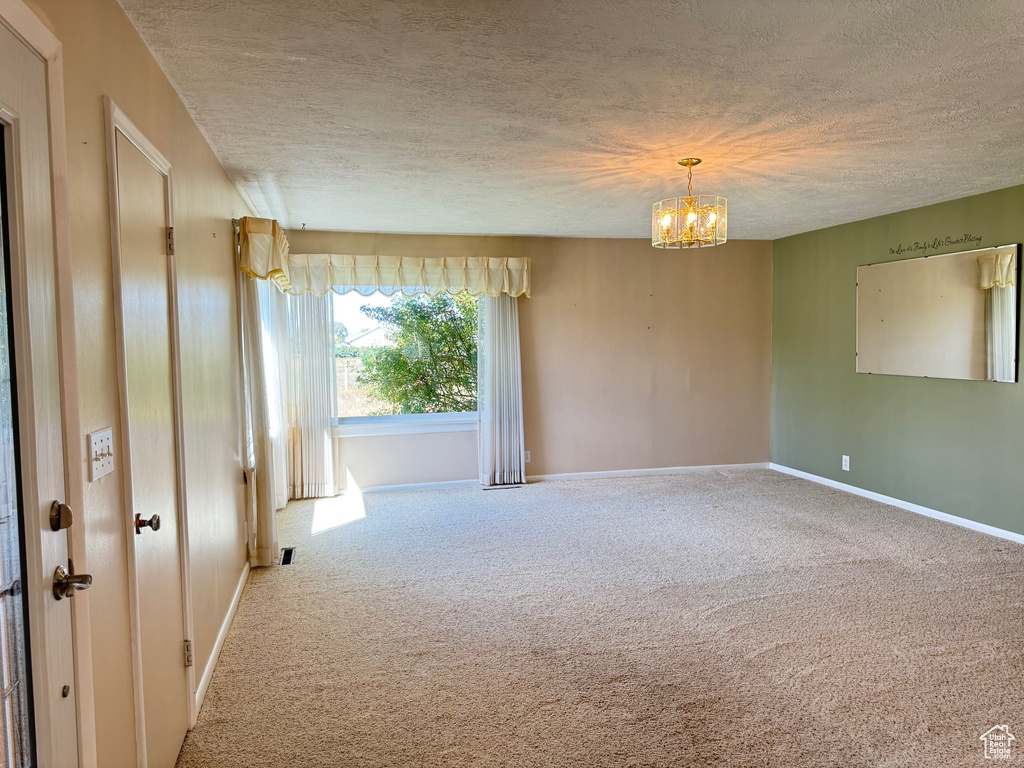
[[383, 460], [103, 55], [635, 357], [632, 357]]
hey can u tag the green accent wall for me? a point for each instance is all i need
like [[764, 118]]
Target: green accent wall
[[954, 446]]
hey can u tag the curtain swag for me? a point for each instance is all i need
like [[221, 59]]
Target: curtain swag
[[998, 269], [264, 250], [265, 255]]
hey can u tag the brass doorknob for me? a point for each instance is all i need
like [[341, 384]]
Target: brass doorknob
[[140, 523], [65, 584]]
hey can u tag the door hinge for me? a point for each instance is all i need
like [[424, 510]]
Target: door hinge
[[188, 653], [170, 241]]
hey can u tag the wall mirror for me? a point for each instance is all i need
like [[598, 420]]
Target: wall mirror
[[949, 316]]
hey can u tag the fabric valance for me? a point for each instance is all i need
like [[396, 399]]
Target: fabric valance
[[321, 273], [998, 268], [263, 250], [265, 255]]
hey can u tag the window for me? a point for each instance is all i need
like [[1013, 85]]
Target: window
[[403, 355]]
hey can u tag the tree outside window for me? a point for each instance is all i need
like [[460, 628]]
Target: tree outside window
[[406, 354]]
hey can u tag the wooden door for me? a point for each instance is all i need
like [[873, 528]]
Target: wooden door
[[152, 470]]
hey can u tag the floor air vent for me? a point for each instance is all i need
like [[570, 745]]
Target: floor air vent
[[287, 555]]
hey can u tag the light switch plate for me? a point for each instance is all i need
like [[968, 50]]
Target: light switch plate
[[101, 454]]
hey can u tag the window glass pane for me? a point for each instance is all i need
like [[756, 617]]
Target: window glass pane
[[404, 354]]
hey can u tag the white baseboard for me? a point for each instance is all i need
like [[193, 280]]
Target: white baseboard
[[652, 471], [420, 486], [565, 476], [204, 681], [963, 522]]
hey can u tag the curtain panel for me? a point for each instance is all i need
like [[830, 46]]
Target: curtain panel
[[287, 368], [296, 338], [274, 337], [502, 460], [1001, 333], [311, 396], [260, 463], [998, 278]]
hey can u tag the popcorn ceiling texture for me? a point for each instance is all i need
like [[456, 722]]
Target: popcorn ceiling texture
[[563, 117]]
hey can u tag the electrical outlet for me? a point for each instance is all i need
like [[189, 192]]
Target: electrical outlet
[[846, 463], [527, 456], [101, 454]]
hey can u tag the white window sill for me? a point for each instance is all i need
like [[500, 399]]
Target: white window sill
[[404, 424]]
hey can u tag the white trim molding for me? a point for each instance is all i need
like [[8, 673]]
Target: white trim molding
[[963, 522], [404, 424], [22, 20], [650, 471], [211, 664]]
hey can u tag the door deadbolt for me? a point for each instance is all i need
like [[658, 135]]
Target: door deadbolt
[[65, 584], [140, 523], [60, 516]]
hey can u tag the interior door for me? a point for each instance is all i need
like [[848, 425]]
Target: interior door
[[152, 475], [38, 708]]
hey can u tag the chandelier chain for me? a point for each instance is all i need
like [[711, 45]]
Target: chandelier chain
[[689, 181]]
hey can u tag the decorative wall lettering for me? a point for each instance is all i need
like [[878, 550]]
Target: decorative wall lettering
[[920, 246]]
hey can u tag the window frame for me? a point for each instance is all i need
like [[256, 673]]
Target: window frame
[[404, 424]]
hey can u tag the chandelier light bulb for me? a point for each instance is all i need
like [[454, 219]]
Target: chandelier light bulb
[[693, 220]]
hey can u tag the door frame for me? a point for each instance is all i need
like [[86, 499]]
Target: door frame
[[24, 23], [117, 122]]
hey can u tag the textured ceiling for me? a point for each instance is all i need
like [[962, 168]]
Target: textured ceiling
[[564, 117]]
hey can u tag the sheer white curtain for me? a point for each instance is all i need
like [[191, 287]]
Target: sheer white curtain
[[277, 377], [500, 393], [311, 406], [287, 359], [260, 464], [1001, 332], [998, 268]]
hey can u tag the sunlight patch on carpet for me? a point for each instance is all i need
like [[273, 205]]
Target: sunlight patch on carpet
[[339, 510]]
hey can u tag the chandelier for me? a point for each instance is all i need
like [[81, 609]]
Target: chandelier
[[694, 220]]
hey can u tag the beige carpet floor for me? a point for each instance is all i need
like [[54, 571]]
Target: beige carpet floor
[[741, 618]]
